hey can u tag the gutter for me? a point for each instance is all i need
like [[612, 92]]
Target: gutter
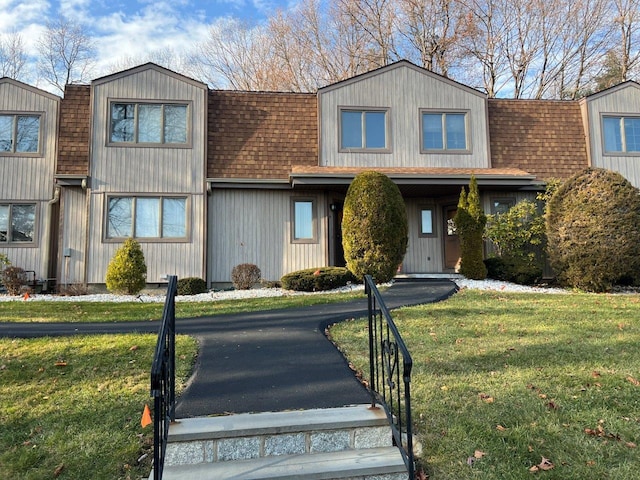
[[47, 233]]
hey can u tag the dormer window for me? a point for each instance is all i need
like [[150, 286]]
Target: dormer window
[[19, 133], [364, 130], [148, 123], [444, 131], [621, 134]]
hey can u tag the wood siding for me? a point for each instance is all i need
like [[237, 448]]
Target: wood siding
[[29, 179], [404, 90], [254, 226], [624, 99], [424, 254], [73, 236], [140, 170]]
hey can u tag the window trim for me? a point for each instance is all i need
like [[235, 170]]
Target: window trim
[[434, 227], [363, 110], [36, 213], [615, 153], [445, 150], [314, 220], [508, 200], [18, 113], [137, 102], [187, 213]]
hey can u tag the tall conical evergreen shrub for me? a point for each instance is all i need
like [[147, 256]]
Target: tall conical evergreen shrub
[[127, 271], [470, 221]]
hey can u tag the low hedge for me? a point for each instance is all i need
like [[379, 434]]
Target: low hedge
[[516, 270], [318, 279], [191, 286]]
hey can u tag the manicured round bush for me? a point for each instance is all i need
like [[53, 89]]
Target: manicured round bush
[[127, 271], [593, 230], [245, 276], [374, 227], [317, 279], [191, 286]]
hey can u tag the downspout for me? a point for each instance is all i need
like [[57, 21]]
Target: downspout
[[47, 233]]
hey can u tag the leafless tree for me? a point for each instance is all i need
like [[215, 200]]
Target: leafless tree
[[13, 57], [627, 21], [67, 53]]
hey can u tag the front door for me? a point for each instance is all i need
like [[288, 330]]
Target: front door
[[451, 239]]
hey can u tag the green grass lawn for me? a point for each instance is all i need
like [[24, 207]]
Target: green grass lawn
[[70, 408], [512, 378], [34, 311]]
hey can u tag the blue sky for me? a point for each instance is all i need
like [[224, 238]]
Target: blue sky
[[132, 28]]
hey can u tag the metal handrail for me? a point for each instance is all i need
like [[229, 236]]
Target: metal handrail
[[163, 379], [385, 349]]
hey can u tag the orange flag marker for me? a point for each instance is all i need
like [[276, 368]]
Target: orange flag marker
[[26, 296], [146, 417]]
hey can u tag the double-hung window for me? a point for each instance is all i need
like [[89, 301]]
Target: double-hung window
[[364, 130], [148, 218], [19, 133], [621, 134], [17, 223], [149, 123], [444, 131], [303, 220]]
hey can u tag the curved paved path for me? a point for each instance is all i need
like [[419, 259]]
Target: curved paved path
[[262, 361]]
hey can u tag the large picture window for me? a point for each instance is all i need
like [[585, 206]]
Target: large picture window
[[17, 223], [444, 131], [149, 123], [303, 220], [19, 134], [621, 134], [147, 217], [363, 130]]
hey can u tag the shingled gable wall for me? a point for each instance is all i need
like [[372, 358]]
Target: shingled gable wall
[[543, 137], [256, 135], [74, 131]]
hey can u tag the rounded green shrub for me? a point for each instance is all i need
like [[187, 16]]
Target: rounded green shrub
[[191, 286], [592, 230], [317, 279], [374, 227], [127, 271], [245, 276]]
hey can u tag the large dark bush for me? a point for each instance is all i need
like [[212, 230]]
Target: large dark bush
[[317, 279], [593, 230], [470, 221], [191, 286], [374, 227], [513, 269]]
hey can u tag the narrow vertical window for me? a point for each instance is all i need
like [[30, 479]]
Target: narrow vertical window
[[303, 221], [426, 222]]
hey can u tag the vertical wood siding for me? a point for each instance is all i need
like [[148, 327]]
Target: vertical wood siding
[[73, 208], [30, 179], [404, 90], [424, 254], [147, 170], [618, 101], [254, 226]]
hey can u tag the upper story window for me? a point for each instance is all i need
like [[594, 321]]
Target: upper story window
[[17, 223], [621, 134], [444, 131], [19, 133], [364, 130], [150, 218], [149, 123]]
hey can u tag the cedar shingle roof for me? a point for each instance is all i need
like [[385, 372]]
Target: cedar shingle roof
[[543, 137], [73, 140], [261, 135], [414, 171]]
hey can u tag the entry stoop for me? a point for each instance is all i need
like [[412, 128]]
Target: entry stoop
[[352, 443]]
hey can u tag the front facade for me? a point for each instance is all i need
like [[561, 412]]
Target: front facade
[[207, 180]]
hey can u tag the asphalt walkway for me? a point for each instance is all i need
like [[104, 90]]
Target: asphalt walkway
[[262, 361]]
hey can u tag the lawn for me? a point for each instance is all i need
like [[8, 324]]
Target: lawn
[[71, 407], [35, 311], [514, 386]]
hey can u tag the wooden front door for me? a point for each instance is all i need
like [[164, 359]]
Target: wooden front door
[[451, 240]]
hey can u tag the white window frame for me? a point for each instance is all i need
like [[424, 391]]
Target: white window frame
[[153, 239], [363, 133], [623, 134], [314, 220], [443, 114], [136, 104], [16, 243], [15, 115]]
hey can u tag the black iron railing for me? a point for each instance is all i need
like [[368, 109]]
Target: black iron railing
[[163, 379], [390, 366]]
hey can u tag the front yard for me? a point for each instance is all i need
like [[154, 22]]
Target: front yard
[[513, 386]]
